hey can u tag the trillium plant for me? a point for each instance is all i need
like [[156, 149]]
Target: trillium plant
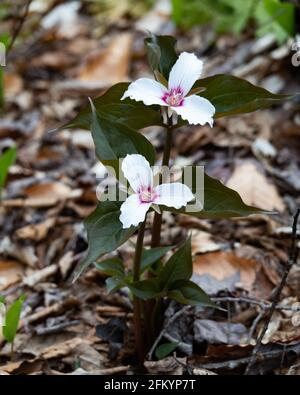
[[175, 97]]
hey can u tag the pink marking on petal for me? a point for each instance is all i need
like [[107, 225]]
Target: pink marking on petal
[[146, 194], [174, 97]]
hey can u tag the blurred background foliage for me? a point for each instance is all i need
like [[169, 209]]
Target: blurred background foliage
[[266, 16], [256, 17]]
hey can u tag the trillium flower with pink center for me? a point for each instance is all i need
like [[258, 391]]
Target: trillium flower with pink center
[[138, 172], [185, 72]]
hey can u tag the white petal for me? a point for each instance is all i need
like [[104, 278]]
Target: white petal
[[196, 110], [133, 211], [146, 90], [138, 172], [185, 72], [173, 195]]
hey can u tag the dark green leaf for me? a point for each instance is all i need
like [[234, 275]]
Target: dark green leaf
[[132, 114], [145, 289], [114, 283], [224, 202], [114, 141], [152, 255], [12, 319], [2, 299], [7, 159], [187, 292], [165, 349], [219, 201], [161, 53], [231, 95], [111, 267], [178, 267], [104, 232]]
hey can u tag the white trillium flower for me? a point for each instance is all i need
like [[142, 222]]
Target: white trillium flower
[[185, 72], [138, 172]]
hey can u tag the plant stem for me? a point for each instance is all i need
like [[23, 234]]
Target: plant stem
[[137, 317], [150, 305], [157, 222], [1, 88], [12, 350]]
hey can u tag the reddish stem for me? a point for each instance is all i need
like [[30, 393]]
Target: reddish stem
[[137, 311]]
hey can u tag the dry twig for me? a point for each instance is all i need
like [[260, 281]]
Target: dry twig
[[293, 257], [165, 329], [19, 26]]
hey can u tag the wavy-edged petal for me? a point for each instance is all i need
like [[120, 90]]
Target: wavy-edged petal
[[185, 72], [138, 172], [133, 211], [146, 90], [196, 110], [173, 195]]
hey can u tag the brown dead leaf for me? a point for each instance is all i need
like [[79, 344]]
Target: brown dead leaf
[[87, 356], [57, 60], [254, 188], [111, 65], [36, 232], [65, 263], [10, 273], [33, 345], [226, 269], [284, 326], [13, 84], [191, 142], [23, 367], [62, 349], [167, 365], [202, 242], [220, 332], [44, 195], [50, 190], [81, 210], [10, 367], [54, 309], [40, 275], [24, 254], [293, 280]]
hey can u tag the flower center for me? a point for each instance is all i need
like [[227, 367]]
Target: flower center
[[146, 194], [174, 97]]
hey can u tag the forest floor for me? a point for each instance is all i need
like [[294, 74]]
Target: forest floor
[[77, 328]]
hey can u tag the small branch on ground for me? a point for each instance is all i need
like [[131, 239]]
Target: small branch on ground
[[263, 305], [165, 329], [265, 356], [19, 26], [293, 257]]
